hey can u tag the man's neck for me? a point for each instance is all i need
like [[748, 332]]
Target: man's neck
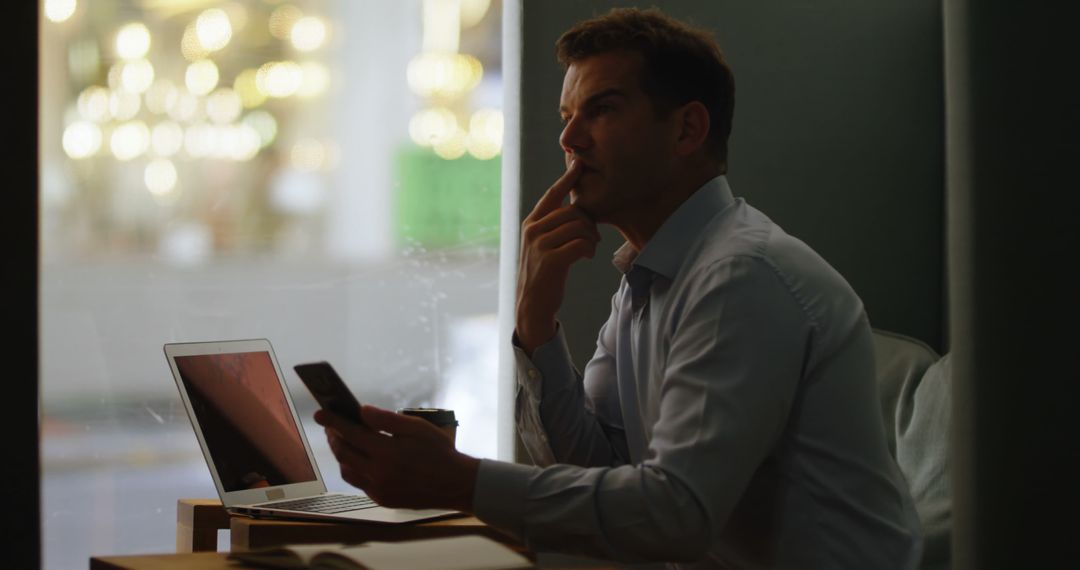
[[639, 227]]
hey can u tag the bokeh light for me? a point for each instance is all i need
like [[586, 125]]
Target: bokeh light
[[264, 124], [431, 126], [199, 140], [115, 76], [452, 146], [201, 77], [444, 75], [129, 140], [308, 154], [279, 78], [472, 11], [223, 106], [166, 138], [282, 20], [161, 96], [484, 140], [82, 139], [132, 41], [238, 15], [59, 10], [190, 46], [137, 75], [188, 107], [308, 33], [93, 104], [316, 78], [160, 176], [124, 105], [247, 89], [213, 29], [441, 25], [248, 142]]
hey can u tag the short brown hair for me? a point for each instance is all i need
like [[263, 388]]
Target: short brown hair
[[682, 63]]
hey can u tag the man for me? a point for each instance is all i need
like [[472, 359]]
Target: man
[[729, 417]]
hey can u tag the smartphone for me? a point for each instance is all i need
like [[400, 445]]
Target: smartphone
[[329, 389]]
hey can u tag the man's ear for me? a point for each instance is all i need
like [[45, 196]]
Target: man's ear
[[694, 122]]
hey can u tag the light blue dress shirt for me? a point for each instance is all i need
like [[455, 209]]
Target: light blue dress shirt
[[728, 419]]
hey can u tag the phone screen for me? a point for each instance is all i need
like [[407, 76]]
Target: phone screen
[[329, 389]]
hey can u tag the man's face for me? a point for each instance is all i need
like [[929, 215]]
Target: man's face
[[612, 128]]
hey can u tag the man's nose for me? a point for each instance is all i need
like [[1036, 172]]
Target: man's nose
[[574, 138]]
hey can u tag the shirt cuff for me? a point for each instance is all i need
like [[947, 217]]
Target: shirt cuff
[[550, 364], [500, 496]]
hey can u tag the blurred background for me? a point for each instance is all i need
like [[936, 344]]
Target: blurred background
[[324, 174]]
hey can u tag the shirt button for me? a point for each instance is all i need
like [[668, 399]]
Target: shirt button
[[533, 373]]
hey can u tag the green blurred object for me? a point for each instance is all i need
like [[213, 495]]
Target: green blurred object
[[444, 203]]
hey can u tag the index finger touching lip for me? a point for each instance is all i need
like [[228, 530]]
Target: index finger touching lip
[[558, 191]]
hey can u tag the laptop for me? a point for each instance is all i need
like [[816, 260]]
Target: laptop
[[253, 441]]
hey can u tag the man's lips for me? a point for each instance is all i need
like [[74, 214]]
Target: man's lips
[[584, 164]]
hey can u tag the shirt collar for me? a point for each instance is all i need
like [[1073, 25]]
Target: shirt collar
[[665, 251]]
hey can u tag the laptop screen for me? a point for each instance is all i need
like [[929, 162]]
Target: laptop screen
[[245, 419]]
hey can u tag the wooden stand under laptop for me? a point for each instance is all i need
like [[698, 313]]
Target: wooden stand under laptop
[[199, 520]]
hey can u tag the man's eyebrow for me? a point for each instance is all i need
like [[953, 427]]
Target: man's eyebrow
[[610, 92]]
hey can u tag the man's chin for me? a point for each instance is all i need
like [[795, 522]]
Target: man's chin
[[582, 203]]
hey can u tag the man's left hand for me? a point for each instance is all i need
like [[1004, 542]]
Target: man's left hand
[[401, 461]]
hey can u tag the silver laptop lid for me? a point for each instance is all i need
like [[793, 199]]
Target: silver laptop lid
[[245, 421]]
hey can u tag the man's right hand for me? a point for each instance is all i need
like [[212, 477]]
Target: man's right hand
[[553, 237]]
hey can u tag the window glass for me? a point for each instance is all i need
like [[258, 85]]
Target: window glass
[[324, 174]]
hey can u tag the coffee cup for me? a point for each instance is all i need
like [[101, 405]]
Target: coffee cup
[[442, 418]]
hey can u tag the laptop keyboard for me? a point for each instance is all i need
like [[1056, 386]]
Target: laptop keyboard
[[326, 504]]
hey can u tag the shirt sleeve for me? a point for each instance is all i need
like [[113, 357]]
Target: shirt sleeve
[[556, 420], [594, 511], [736, 351]]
